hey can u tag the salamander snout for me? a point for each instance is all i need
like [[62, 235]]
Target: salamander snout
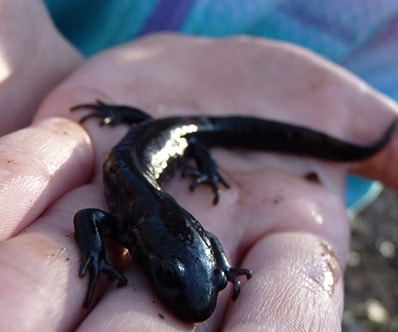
[[189, 291]]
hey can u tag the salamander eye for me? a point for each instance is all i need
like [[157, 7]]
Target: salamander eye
[[170, 273]]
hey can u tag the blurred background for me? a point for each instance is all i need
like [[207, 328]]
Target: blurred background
[[371, 302]]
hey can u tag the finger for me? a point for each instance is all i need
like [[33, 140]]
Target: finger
[[36, 277], [297, 286], [296, 237], [38, 165], [382, 167], [40, 270]]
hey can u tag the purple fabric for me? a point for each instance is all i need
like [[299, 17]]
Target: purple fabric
[[168, 15]]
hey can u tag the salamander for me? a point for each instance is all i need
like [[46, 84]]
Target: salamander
[[185, 264]]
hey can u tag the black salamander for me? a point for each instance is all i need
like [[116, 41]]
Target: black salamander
[[185, 264]]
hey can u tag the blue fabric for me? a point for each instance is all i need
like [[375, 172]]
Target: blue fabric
[[361, 35], [335, 29], [360, 193], [95, 25]]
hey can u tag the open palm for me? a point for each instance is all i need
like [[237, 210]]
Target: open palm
[[283, 217]]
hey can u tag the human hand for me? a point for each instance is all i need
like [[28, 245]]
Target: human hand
[[291, 231], [34, 57]]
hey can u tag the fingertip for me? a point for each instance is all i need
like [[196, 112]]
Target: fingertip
[[37, 165], [297, 285]]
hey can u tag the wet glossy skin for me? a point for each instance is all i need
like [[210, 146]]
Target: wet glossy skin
[[185, 264]]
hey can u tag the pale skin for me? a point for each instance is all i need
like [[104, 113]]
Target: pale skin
[[291, 231], [27, 63]]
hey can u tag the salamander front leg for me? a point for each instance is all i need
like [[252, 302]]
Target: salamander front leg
[[90, 226]]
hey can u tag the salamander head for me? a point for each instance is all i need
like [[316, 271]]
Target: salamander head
[[189, 288], [184, 273]]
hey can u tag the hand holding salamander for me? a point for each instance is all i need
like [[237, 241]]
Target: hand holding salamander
[[283, 216], [187, 268]]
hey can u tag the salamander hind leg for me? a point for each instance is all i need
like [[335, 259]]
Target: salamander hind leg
[[90, 226], [206, 171], [112, 115]]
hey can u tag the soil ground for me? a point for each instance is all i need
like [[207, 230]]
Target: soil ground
[[371, 301]]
